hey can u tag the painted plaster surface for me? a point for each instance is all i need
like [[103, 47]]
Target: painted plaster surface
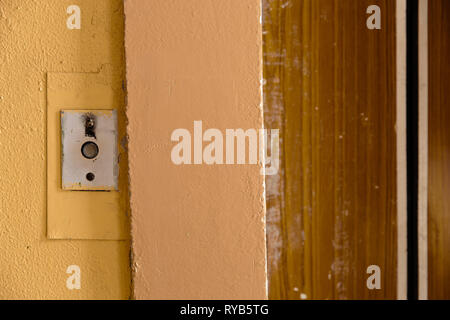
[[34, 40], [84, 215], [198, 230]]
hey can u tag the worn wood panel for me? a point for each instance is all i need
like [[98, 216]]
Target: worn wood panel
[[330, 87], [439, 150]]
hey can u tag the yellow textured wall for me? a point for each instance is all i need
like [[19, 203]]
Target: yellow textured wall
[[34, 40]]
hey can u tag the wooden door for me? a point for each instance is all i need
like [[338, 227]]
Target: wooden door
[[438, 149], [330, 86]]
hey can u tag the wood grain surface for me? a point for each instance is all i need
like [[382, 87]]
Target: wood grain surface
[[439, 150], [330, 87]]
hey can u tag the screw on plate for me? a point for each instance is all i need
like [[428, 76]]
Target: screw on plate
[[90, 176], [89, 125]]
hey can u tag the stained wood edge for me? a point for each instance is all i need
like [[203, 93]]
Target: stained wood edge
[[402, 265], [423, 151], [263, 154]]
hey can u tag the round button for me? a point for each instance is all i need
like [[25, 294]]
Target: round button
[[89, 150]]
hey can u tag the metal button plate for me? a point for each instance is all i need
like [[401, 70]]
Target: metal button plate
[[89, 150]]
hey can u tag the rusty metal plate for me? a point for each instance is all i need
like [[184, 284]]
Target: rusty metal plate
[[89, 150]]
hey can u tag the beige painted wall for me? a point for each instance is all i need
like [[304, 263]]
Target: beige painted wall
[[198, 231], [34, 40]]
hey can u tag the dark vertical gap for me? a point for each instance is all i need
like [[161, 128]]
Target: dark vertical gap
[[412, 129]]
